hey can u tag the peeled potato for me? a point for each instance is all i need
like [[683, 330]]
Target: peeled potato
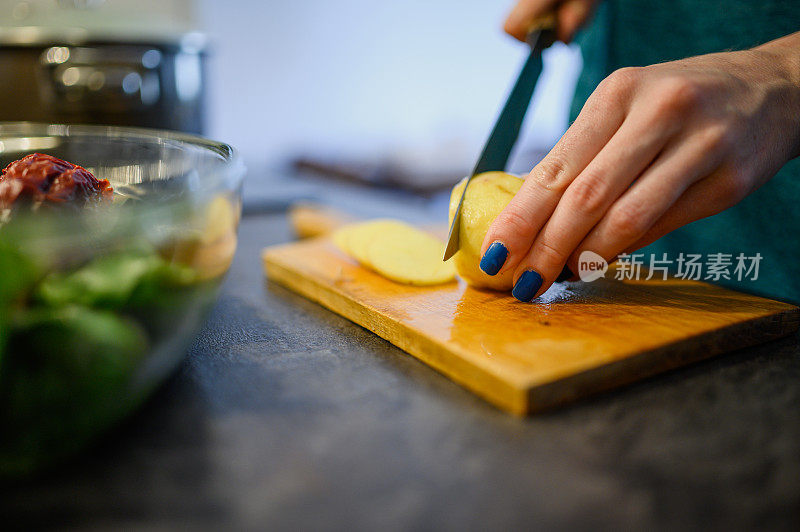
[[397, 251], [221, 217], [210, 248], [487, 195]]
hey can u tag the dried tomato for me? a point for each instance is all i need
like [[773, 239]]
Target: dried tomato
[[44, 178]]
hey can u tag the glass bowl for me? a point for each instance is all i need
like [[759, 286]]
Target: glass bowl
[[98, 304]]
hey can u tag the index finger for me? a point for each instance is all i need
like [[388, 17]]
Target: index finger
[[521, 220]]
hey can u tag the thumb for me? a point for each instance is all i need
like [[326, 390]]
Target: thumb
[[523, 14], [572, 15]]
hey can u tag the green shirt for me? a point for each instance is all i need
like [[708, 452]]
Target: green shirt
[[643, 32]]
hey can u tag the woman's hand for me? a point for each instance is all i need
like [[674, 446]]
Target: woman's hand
[[653, 149], [570, 16]]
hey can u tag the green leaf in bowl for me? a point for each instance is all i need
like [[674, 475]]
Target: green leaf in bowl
[[64, 373], [109, 282], [17, 276]]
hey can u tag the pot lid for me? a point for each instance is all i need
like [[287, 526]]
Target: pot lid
[[44, 22]]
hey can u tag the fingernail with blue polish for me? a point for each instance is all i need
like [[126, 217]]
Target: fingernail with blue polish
[[527, 286], [494, 258], [565, 274]]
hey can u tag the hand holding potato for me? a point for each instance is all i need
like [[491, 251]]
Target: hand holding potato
[[653, 149]]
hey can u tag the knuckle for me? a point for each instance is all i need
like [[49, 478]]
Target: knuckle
[[718, 138], [548, 254], [627, 223], [550, 174], [678, 94], [713, 137], [588, 194], [513, 221], [621, 80]]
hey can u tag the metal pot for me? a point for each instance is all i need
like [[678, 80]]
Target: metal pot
[[71, 76]]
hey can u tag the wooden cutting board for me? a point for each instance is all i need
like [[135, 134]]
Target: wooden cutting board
[[579, 339]]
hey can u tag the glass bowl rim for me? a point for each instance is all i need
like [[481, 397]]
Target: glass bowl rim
[[228, 153], [228, 178]]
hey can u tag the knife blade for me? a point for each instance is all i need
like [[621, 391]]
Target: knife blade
[[507, 126]]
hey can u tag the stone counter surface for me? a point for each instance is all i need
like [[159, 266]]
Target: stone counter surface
[[287, 416]]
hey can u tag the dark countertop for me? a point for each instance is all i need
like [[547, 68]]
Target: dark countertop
[[285, 415]]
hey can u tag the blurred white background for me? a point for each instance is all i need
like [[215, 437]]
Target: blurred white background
[[413, 79], [413, 85]]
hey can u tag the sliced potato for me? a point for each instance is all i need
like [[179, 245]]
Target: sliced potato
[[397, 251], [341, 237], [355, 239], [410, 256]]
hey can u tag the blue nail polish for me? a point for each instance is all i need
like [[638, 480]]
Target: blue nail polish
[[494, 258], [565, 274], [527, 286]]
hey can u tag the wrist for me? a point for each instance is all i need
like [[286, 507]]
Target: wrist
[[784, 53], [783, 59]]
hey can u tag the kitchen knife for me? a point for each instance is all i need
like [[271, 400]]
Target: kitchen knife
[[506, 129]]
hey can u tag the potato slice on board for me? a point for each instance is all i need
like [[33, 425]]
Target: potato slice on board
[[341, 237], [410, 256], [397, 251], [355, 239]]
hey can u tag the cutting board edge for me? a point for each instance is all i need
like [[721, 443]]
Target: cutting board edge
[[785, 321], [478, 380], [598, 379]]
